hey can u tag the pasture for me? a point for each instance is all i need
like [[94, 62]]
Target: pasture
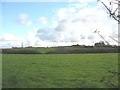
[[60, 70]]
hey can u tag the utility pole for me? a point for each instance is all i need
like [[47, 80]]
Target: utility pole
[[22, 44]]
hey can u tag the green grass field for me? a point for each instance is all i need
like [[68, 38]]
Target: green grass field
[[60, 70]]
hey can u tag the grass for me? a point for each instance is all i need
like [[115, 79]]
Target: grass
[[0, 70], [60, 70]]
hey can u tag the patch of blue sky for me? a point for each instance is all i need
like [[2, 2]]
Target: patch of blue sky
[[34, 10]]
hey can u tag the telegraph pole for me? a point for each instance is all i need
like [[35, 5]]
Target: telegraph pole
[[22, 44]]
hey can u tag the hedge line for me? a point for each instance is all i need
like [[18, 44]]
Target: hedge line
[[10, 51], [63, 50], [92, 50]]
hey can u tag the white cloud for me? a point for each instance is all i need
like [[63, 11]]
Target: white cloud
[[54, 24], [73, 24], [31, 38], [9, 36], [24, 19], [43, 20], [84, 21], [62, 13], [10, 40], [71, 9]]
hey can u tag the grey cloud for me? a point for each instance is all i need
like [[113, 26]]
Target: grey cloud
[[47, 35], [2, 39], [55, 36], [90, 37], [82, 36], [78, 19], [62, 25], [73, 40]]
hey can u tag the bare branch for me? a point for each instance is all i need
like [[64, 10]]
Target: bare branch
[[117, 2], [115, 10], [113, 13], [98, 32], [114, 39]]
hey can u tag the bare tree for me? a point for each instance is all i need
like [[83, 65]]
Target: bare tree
[[98, 32], [113, 9], [113, 12], [114, 39]]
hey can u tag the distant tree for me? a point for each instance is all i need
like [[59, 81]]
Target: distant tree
[[98, 32], [114, 12], [101, 43], [76, 45]]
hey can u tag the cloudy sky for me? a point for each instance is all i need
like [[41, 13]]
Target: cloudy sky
[[55, 23]]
